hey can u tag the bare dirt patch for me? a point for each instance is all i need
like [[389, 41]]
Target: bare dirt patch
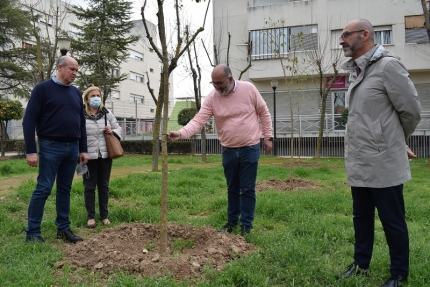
[[285, 184], [133, 248], [305, 164]]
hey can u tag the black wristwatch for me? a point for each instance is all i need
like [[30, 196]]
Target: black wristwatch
[[271, 139]]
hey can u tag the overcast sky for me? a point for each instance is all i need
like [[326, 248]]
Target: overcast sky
[[182, 81]]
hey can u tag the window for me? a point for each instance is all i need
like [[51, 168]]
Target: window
[[74, 32], [136, 99], [338, 102], [136, 77], [115, 72], [335, 35], [151, 70], [47, 19], [415, 31], [136, 55], [151, 110], [114, 95], [27, 44], [277, 42], [383, 35], [42, 17]]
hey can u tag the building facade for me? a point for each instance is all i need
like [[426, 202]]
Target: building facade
[[275, 37], [131, 102]]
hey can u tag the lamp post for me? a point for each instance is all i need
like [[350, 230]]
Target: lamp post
[[64, 45], [274, 84]]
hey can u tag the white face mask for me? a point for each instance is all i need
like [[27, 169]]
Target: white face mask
[[95, 102]]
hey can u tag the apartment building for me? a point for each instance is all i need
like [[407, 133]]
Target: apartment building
[[131, 102], [264, 32]]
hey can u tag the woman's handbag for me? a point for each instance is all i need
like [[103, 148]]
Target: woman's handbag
[[113, 145]]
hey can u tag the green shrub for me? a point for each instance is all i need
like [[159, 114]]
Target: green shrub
[[185, 115]]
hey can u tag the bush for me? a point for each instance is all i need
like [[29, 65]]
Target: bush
[[186, 115], [145, 147]]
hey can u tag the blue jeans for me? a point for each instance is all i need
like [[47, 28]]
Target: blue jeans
[[57, 161], [240, 170]]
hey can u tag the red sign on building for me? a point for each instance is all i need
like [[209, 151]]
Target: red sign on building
[[340, 82]]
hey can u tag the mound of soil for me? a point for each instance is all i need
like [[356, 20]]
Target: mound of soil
[[134, 248]]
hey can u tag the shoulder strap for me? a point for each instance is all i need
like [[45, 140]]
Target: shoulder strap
[[105, 120]]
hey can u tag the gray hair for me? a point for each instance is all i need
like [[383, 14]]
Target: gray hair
[[62, 61], [366, 25], [227, 71]]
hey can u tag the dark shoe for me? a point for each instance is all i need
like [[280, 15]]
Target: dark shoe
[[227, 228], [351, 270], [245, 230], [68, 236], [34, 239], [395, 281]]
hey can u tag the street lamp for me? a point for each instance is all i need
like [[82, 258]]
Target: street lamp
[[274, 84], [64, 45]]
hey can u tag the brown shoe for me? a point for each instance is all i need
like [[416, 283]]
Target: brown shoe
[[91, 223]]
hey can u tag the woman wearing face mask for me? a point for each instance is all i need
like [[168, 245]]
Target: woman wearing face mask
[[99, 163]]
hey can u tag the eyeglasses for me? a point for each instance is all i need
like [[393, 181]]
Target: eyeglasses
[[345, 35], [219, 83]]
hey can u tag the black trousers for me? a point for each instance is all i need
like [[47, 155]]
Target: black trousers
[[98, 176], [391, 210]]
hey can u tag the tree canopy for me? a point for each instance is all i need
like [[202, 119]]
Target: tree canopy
[[15, 26], [102, 42]]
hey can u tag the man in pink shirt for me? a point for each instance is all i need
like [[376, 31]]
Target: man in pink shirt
[[236, 107]]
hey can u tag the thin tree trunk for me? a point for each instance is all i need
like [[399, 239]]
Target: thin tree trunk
[[156, 131], [321, 127], [203, 143], [3, 139]]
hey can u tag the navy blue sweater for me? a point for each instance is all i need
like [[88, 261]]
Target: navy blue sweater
[[56, 113]]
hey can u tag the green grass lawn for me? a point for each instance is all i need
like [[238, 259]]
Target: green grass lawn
[[303, 237]]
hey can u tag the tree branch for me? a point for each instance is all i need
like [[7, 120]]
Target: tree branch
[[148, 35], [207, 54], [151, 91]]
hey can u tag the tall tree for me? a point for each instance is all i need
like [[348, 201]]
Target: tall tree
[[9, 110], [284, 47], [169, 63], [15, 26], [197, 79], [424, 4], [102, 42], [324, 62]]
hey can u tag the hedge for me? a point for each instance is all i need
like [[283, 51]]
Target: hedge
[[130, 147]]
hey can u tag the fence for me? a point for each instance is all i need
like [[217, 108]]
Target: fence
[[305, 133]]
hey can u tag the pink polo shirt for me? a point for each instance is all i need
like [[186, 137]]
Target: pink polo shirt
[[236, 116]]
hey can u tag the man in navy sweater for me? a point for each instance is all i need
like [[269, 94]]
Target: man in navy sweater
[[55, 113]]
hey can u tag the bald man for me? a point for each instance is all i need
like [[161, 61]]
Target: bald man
[[384, 110], [236, 107], [55, 113]]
